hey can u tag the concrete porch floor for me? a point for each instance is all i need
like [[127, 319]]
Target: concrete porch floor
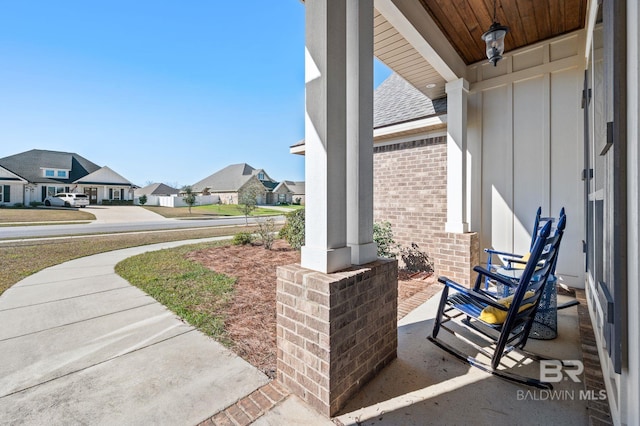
[[426, 385]]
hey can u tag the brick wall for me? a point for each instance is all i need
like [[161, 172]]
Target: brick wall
[[335, 331], [410, 191]]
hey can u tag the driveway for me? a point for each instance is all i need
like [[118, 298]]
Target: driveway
[[123, 214]]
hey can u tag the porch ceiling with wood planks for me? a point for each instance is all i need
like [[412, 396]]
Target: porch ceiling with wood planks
[[463, 22]]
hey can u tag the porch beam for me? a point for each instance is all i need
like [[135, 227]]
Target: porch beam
[[325, 247], [413, 22], [360, 131], [457, 218]]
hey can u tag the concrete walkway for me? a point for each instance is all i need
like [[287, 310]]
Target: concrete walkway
[[80, 345]]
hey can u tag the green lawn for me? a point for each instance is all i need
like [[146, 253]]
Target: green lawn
[[21, 259], [195, 293], [209, 211], [8, 215]]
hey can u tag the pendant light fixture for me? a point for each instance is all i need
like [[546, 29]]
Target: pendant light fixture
[[494, 38]]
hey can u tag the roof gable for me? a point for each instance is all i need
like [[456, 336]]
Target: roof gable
[[8, 176], [104, 176]]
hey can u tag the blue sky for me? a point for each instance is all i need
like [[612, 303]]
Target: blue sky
[[159, 91]]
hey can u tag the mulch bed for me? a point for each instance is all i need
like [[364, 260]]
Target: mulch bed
[[251, 313]]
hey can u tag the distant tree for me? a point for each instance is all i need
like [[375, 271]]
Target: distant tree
[[143, 199], [189, 197], [248, 201]]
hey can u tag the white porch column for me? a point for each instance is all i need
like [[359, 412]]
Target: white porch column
[[325, 247], [360, 131], [457, 92]]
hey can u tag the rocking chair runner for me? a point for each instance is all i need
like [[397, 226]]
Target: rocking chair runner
[[484, 313]]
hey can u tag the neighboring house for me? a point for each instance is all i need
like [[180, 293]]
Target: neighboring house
[[158, 189], [231, 182], [290, 192], [37, 174]]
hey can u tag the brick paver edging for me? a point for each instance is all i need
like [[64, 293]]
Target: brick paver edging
[[250, 408], [599, 413]]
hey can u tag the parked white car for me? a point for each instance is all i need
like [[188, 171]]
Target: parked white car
[[67, 199]]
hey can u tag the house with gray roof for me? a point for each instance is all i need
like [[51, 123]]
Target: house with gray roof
[[33, 175], [232, 181], [290, 192], [158, 189]]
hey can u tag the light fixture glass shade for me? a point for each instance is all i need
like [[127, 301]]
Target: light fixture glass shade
[[495, 42]]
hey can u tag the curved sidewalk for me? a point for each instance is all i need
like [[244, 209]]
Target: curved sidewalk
[[80, 345]]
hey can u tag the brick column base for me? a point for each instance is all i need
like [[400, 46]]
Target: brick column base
[[335, 331]]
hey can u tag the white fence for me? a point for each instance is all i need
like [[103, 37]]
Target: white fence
[[177, 200]]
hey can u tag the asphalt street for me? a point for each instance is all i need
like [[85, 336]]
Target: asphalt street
[[116, 219]]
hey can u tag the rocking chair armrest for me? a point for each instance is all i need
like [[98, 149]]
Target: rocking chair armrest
[[480, 296], [454, 285], [494, 276], [502, 253]]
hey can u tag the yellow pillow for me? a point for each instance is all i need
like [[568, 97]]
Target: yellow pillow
[[517, 265], [493, 315]]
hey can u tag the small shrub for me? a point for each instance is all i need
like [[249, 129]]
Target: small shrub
[[267, 232], [415, 260], [297, 201], [242, 239], [142, 200], [383, 237], [35, 204], [293, 230], [18, 205]]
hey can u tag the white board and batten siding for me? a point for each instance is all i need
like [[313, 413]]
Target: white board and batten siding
[[525, 119]]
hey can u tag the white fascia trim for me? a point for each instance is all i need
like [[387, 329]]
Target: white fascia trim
[[297, 149], [591, 24], [404, 27], [411, 125]]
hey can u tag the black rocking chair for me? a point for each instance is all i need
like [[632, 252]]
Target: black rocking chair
[[503, 323]]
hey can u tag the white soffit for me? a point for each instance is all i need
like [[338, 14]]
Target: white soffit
[[400, 46]]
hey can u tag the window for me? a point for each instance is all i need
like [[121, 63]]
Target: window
[[49, 173], [5, 194], [261, 176], [62, 173]]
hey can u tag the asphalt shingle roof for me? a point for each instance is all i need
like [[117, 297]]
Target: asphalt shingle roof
[[396, 101], [29, 165], [229, 179], [157, 189], [295, 187]]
